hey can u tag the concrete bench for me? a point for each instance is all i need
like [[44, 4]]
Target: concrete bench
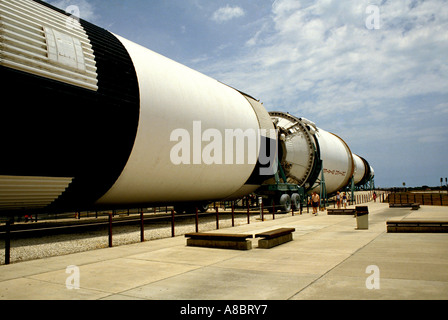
[[434, 226], [274, 237], [341, 211], [414, 206], [219, 240]]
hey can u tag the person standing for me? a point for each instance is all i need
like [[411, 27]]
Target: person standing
[[344, 200], [338, 200], [315, 202]]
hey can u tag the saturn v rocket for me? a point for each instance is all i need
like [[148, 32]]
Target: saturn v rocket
[[88, 120]]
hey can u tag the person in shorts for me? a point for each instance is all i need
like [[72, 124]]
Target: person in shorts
[[315, 202]]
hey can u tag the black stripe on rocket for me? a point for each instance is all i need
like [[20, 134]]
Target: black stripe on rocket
[[54, 129], [367, 173], [264, 169]]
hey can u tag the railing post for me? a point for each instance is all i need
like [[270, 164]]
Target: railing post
[[172, 223], [8, 242], [262, 213], [217, 219], [142, 227], [248, 213], [197, 220], [233, 213], [110, 230], [273, 210]]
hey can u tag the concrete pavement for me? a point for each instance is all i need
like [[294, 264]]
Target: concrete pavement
[[327, 259]]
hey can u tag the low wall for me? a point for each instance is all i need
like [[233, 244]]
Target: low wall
[[435, 199]]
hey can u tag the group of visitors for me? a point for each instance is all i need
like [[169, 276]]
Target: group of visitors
[[315, 201], [344, 200], [341, 200]]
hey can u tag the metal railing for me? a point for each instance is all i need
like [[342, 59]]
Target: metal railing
[[110, 219]]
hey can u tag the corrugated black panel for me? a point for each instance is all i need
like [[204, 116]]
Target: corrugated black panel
[[51, 128]]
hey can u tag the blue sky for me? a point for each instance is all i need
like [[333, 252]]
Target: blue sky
[[384, 91]]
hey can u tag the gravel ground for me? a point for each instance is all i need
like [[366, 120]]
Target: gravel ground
[[56, 245]]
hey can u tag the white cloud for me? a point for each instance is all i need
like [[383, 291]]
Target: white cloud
[[227, 13], [322, 52], [318, 59], [441, 108]]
